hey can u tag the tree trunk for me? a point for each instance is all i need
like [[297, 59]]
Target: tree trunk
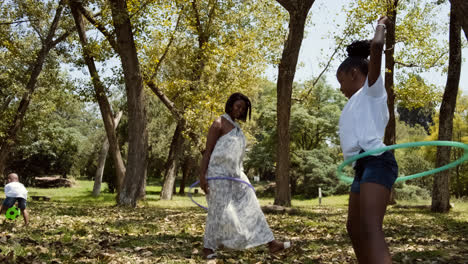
[[137, 134], [390, 134], [142, 194], [461, 7], [172, 164], [102, 160], [298, 11], [389, 138], [35, 69], [103, 102], [441, 187], [186, 168]]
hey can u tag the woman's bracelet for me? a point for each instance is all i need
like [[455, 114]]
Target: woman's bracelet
[[383, 25]]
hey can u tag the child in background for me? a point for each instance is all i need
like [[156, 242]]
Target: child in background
[[15, 191]]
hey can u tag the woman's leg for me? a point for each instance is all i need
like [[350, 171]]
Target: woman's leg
[[373, 204], [353, 224]]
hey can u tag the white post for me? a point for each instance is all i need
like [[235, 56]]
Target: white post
[[320, 196]]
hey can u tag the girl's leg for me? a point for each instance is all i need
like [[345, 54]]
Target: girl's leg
[[353, 224], [25, 216], [373, 204]]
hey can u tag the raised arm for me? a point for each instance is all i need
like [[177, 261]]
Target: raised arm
[[214, 133], [377, 45]]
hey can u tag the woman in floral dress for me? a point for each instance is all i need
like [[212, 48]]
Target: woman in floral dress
[[235, 219]]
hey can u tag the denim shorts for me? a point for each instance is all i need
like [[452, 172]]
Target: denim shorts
[[10, 201], [381, 169]]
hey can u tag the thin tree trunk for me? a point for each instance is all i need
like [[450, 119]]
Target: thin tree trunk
[[172, 164], [461, 7], [35, 69], [101, 98], [142, 194], [186, 168], [102, 160], [389, 138], [459, 184], [390, 130], [137, 134], [441, 187], [298, 11]]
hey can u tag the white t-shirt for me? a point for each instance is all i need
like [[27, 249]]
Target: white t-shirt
[[363, 120], [16, 189]]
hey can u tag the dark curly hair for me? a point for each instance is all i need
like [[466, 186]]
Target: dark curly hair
[[238, 96], [358, 51]]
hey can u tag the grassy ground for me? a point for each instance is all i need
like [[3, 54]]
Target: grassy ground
[[76, 228]]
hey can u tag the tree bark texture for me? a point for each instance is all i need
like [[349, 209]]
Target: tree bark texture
[[102, 160], [390, 130], [103, 102], [298, 10], [35, 69], [461, 7], [172, 165], [187, 167], [389, 138], [441, 187], [137, 134]]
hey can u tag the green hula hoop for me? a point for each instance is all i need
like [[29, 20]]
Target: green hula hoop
[[347, 179]]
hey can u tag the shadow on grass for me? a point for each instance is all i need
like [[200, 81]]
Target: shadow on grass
[[178, 245], [446, 220]]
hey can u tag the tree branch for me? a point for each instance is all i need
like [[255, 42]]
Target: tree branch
[[60, 39], [142, 7], [286, 4], [55, 23], [17, 22], [211, 14], [166, 101], [168, 46], [90, 17], [197, 16], [413, 65]]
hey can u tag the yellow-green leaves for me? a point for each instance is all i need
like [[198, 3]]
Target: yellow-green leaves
[[412, 92]]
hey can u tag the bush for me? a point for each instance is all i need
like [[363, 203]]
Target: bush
[[411, 192]]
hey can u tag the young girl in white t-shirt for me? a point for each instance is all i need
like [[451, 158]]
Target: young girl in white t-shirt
[[362, 128]]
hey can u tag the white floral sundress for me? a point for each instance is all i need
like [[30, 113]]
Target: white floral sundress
[[235, 219]]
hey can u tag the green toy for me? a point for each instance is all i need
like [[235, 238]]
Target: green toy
[[12, 213]]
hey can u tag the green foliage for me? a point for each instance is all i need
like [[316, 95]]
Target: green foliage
[[413, 160], [413, 193], [459, 175], [159, 119], [314, 139], [316, 168], [237, 43], [59, 134], [412, 92]]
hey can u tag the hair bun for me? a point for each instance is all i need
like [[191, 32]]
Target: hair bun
[[359, 48]]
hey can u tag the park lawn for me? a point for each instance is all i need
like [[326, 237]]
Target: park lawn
[[74, 227]]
